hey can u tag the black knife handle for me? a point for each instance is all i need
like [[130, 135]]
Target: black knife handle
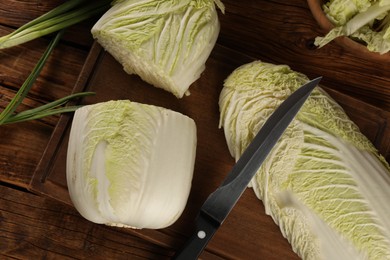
[[205, 229]]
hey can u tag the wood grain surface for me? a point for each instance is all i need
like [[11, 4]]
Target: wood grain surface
[[66, 234], [281, 32]]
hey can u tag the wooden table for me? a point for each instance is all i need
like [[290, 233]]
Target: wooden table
[[35, 227]]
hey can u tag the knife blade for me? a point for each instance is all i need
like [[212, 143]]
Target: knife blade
[[219, 203]]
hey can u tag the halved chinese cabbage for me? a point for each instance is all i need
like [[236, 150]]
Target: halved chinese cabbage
[[130, 164], [166, 43], [324, 183]]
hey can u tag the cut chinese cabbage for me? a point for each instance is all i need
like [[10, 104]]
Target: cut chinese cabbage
[[166, 43], [324, 183], [130, 164]]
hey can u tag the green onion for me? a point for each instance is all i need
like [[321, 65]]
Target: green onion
[[65, 15], [7, 116], [49, 109], [25, 88]]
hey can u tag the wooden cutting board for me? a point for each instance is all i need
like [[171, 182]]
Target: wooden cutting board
[[247, 233]]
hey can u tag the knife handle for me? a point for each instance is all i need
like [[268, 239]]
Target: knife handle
[[205, 229]]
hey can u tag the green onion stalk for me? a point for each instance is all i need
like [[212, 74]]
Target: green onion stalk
[[8, 115], [56, 20], [63, 16]]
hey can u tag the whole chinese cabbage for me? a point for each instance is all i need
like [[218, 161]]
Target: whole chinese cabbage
[[324, 183], [166, 43], [130, 164], [365, 21]]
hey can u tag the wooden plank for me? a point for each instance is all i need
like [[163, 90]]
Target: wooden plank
[[29, 9], [34, 227], [21, 148]]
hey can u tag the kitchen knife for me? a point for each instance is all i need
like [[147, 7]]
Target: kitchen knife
[[219, 204]]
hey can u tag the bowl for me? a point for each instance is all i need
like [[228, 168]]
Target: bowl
[[345, 42]]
